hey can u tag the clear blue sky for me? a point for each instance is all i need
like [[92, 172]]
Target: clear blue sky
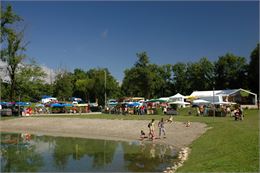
[[109, 34]]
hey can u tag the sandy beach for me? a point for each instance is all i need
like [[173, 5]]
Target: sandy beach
[[178, 134]]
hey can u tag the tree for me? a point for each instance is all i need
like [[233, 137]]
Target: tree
[[206, 73], [78, 74], [63, 85], [143, 60], [193, 76], [160, 80], [138, 79], [180, 81], [231, 72], [90, 85], [84, 87], [12, 51], [7, 17], [147, 80], [167, 75], [13, 56], [99, 89], [130, 85], [30, 81], [253, 71]]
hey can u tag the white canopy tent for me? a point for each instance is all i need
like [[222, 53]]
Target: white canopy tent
[[241, 96], [179, 103], [224, 103], [200, 101], [178, 99]]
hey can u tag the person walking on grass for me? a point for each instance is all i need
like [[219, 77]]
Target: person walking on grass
[[161, 128]]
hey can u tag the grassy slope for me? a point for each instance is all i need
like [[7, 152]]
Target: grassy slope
[[230, 146]]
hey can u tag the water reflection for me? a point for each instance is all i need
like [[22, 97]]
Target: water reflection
[[35, 153], [18, 155]]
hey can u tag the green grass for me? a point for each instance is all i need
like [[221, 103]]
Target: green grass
[[229, 146], [7, 118]]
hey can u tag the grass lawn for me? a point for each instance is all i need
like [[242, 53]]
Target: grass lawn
[[7, 118], [230, 146]]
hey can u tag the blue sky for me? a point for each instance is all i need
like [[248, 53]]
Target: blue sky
[[109, 34]]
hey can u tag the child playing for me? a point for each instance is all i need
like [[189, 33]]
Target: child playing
[[151, 130], [187, 124], [170, 120], [142, 136]]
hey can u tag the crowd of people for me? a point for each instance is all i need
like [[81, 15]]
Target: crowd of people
[[144, 109], [123, 110], [220, 110]]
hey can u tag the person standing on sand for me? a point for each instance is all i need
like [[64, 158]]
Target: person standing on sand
[[161, 128], [151, 130]]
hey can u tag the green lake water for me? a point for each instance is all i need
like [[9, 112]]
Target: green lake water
[[40, 153]]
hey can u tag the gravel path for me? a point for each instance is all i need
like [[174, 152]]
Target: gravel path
[[127, 130]]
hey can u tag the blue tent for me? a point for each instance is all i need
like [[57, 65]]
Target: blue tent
[[68, 105], [57, 105], [3, 103], [61, 105], [45, 97], [23, 103], [133, 104]]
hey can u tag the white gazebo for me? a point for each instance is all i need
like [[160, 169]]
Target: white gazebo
[[178, 99]]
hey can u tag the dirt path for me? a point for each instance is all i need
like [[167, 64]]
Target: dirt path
[[127, 130]]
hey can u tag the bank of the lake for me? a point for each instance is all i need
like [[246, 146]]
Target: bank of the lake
[[228, 146], [178, 134]]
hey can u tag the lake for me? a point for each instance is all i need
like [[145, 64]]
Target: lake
[[41, 153]]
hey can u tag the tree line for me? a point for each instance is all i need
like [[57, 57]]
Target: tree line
[[228, 72], [27, 80]]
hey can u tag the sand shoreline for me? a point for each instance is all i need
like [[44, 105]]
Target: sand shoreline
[[178, 134]]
